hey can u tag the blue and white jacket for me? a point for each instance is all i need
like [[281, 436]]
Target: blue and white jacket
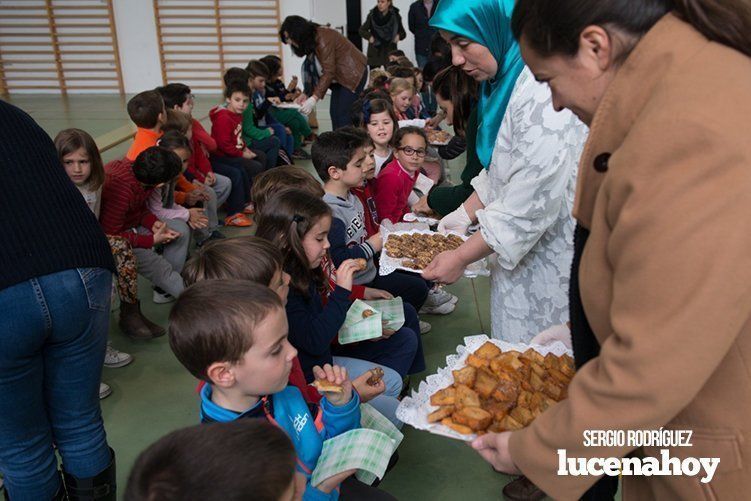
[[288, 410]]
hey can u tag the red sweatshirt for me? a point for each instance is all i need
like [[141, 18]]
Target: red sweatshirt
[[227, 129], [203, 144], [367, 197], [124, 204], [394, 186]]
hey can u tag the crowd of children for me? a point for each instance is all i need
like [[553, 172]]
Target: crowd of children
[[256, 318]]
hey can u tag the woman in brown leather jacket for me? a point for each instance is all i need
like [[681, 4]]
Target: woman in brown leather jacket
[[331, 62]]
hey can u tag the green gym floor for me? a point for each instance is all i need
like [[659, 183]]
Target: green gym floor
[[155, 394]]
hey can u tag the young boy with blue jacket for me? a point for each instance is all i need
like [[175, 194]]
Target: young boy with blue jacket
[[241, 350]]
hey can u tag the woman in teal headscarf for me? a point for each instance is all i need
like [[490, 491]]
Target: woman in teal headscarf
[[523, 196], [494, 61], [488, 24]]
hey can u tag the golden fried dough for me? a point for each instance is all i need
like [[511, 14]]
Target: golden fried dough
[[440, 414], [446, 396], [488, 350], [474, 417], [465, 376]]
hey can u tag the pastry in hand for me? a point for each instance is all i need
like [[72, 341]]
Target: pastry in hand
[[376, 376], [323, 385], [368, 313], [362, 264]]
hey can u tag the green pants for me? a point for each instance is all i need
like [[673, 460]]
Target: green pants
[[295, 121]]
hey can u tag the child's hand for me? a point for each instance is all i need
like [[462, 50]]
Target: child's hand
[[248, 154], [211, 179], [366, 391], [332, 483], [193, 197], [274, 100], [163, 234], [271, 131], [346, 272], [377, 294], [376, 241], [197, 219], [288, 130], [387, 333], [338, 376], [421, 206]]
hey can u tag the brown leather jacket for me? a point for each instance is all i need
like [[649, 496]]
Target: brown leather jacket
[[340, 60]]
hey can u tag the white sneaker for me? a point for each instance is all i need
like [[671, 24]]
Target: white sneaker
[[115, 359], [443, 309], [104, 391], [425, 327], [161, 297], [437, 297]]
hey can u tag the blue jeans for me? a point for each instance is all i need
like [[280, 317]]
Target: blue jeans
[[285, 140], [402, 351], [53, 334], [239, 195], [385, 403], [270, 147], [342, 100]]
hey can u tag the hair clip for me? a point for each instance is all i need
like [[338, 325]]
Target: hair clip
[[297, 218], [366, 111]]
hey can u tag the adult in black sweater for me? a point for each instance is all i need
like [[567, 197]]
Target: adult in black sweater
[[55, 284]]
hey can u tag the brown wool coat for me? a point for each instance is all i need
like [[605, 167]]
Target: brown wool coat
[[665, 188]]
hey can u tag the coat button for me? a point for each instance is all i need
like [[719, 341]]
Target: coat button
[[601, 162]]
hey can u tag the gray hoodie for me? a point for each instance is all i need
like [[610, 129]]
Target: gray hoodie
[[347, 235]]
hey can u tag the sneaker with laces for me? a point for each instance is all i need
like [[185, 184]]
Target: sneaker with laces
[[425, 327], [443, 309], [438, 296], [104, 391], [115, 359], [161, 297]]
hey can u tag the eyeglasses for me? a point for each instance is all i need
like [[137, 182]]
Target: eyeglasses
[[410, 152]]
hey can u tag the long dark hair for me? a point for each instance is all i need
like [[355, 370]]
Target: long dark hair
[[453, 84], [553, 27], [284, 222], [302, 32]]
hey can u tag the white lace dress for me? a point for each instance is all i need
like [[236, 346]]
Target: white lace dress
[[528, 194]]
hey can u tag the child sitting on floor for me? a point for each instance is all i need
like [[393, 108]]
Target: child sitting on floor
[[231, 184], [277, 93], [380, 121], [163, 200], [257, 260], [175, 467], [258, 75], [124, 213], [397, 179], [232, 334], [298, 223], [146, 110]]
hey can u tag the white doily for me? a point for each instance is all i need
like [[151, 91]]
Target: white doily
[[415, 408], [389, 264]]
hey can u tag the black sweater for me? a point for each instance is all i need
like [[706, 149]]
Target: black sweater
[[45, 223]]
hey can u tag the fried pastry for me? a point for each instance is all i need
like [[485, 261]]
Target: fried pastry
[[488, 350], [446, 396], [465, 376], [474, 417], [463, 429], [441, 413]]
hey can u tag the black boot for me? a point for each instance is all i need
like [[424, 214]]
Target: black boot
[[102, 487]]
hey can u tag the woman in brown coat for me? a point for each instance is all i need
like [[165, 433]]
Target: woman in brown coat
[[331, 62], [661, 283]]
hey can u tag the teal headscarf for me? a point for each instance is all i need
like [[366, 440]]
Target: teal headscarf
[[487, 22]]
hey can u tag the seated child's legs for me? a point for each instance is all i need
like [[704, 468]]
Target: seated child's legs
[[387, 402], [402, 351], [158, 270], [413, 289], [285, 140], [222, 188], [239, 194], [270, 148], [209, 208], [127, 272], [176, 251]]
